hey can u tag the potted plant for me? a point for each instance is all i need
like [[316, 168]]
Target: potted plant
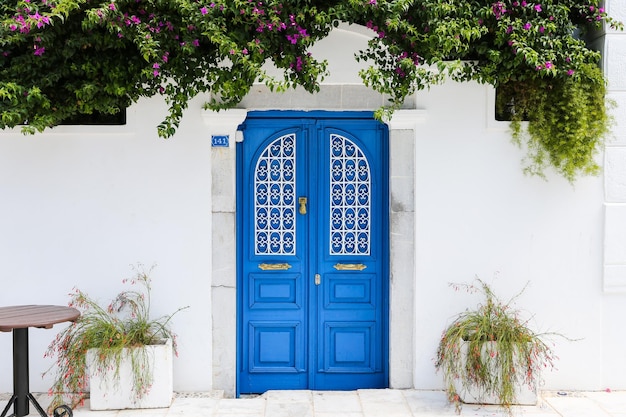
[[489, 355], [118, 353]]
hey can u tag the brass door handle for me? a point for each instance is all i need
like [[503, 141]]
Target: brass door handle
[[302, 201], [274, 267], [349, 267]]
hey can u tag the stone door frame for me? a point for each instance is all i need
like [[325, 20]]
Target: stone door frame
[[402, 134]]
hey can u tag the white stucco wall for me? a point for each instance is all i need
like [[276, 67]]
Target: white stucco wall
[[478, 215], [614, 282], [80, 204]]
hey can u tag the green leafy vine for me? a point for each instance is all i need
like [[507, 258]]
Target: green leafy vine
[[63, 58]]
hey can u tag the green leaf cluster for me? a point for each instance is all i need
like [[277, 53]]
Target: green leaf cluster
[[567, 122]]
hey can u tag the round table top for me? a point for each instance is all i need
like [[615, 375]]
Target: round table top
[[43, 316]]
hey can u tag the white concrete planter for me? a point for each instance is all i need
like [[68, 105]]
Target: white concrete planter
[[524, 394], [111, 391]]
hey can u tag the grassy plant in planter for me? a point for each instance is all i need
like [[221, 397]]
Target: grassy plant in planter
[[491, 351], [125, 323]]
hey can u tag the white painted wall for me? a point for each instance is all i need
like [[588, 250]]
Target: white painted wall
[[478, 215], [78, 208], [80, 204], [614, 284]]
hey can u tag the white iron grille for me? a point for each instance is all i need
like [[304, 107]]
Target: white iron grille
[[274, 200], [350, 195]]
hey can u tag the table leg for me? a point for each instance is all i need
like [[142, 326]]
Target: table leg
[[37, 406], [20, 372], [8, 406], [21, 391]]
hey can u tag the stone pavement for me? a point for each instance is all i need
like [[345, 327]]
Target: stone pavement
[[365, 403]]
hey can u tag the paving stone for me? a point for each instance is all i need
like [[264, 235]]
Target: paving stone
[[193, 406], [337, 414], [289, 396], [383, 403], [428, 402], [613, 402], [336, 402], [289, 409], [362, 403], [576, 407], [239, 406]]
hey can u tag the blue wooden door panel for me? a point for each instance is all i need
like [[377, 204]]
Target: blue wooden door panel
[[349, 313], [313, 274], [272, 290]]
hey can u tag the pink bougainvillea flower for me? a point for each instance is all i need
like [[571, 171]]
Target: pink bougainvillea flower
[[498, 9], [43, 21]]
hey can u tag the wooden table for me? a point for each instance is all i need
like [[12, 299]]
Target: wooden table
[[18, 319]]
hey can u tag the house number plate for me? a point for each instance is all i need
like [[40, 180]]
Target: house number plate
[[219, 141]]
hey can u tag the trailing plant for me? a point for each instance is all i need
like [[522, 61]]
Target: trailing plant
[[501, 351], [566, 122], [125, 323], [63, 58]]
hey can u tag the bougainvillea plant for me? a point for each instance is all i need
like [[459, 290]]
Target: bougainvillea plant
[[63, 58]]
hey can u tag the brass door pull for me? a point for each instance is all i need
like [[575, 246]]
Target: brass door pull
[[302, 201], [274, 267], [349, 267]]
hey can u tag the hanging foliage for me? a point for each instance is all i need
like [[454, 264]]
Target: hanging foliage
[[63, 58]]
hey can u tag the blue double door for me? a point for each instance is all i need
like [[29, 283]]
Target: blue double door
[[313, 252]]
